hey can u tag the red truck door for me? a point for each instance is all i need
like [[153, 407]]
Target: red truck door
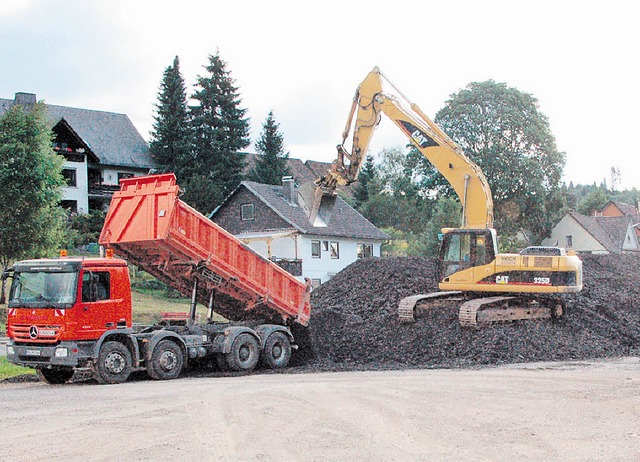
[[95, 312]]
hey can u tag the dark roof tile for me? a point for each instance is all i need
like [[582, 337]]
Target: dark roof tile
[[345, 220], [111, 136]]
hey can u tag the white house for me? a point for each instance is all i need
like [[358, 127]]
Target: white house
[[269, 219], [99, 148], [600, 234]]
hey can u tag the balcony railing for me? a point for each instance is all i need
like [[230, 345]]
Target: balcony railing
[[290, 265]]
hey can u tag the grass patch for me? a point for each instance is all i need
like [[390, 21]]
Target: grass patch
[[148, 304], [8, 370]]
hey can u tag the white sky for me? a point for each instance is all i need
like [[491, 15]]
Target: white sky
[[304, 60]]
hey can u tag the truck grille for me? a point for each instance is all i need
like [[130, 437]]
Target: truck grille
[[33, 333]]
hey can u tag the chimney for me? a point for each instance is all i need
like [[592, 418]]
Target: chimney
[[25, 99], [287, 189]]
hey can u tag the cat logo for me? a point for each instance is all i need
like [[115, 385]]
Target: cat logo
[[419, 137], [502, 279]]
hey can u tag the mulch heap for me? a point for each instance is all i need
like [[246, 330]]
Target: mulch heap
[[354, 322]]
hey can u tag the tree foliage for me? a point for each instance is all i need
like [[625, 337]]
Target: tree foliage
[[394, 198], [446, 213], [593, 201], [31, 223], [366, 178], [271, 165], [502, 130], [220, 131], [170, 144], [84, 228]]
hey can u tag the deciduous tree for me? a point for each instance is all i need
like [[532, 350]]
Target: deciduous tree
[[31, 223], [503, 131]]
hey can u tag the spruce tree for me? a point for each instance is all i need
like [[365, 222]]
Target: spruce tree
[[366, 176], [271, 165], [170, 138], [220, 131]]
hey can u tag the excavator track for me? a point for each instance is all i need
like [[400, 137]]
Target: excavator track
[[489, 310], [482, 311], [407, 306]]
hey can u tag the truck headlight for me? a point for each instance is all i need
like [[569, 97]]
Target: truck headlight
[[10, 351], [61, 352]]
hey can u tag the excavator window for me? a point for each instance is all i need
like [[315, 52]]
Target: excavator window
[[464, 249]]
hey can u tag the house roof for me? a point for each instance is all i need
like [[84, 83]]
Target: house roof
[[302, 171], [345, 220], [611, 232], [111, 136], [626, 209]]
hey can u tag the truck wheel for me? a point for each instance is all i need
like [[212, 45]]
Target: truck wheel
[[55, 376], [244, 353], [277, 351], [166, 362], [114, 363]]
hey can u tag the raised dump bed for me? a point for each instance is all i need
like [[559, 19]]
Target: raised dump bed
[[151, 227]]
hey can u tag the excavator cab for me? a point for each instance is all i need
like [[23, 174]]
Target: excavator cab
[[462, 249]]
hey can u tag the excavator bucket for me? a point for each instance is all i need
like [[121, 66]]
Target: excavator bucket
[[317, 202]]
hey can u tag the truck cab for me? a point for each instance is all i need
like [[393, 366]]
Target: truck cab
[[57, 307]]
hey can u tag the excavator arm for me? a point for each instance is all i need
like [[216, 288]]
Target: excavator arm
[[369, 103]]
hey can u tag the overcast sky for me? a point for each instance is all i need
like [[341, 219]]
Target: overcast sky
[[304, 60]]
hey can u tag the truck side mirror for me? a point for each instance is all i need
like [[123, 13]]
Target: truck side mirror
[[6, 274]]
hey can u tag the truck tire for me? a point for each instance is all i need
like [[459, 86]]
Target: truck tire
[[244, 354], [277, 351], [114, 363], [55, 376], [167, 361]]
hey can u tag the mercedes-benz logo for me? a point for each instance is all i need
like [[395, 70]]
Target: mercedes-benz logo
[[33, 332]]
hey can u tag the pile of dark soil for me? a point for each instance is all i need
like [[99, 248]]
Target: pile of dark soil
[[354, 323]]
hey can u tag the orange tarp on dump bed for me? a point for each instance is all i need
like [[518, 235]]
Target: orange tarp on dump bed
[[151, 227]]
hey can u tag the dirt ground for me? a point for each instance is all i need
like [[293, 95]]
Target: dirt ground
[[535, 411]]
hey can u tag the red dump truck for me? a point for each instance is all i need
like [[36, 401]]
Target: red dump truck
[[74, 314]]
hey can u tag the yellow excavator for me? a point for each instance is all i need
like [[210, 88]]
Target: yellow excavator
[[487, 286]]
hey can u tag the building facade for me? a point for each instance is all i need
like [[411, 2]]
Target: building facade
[[99, 149], [269, 219]]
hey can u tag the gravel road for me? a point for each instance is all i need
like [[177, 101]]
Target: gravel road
[[536, 411]]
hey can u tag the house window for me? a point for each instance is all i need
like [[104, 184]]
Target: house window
[[334, 249], [70, 206], [69, 175], [365, 250], [315, 249], [569, 241], [124, 175], [247, 212], [325, 246]]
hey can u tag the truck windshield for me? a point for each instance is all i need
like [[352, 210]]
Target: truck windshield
[[43, 289]]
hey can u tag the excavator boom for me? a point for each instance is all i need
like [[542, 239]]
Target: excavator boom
[[369, 103]]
